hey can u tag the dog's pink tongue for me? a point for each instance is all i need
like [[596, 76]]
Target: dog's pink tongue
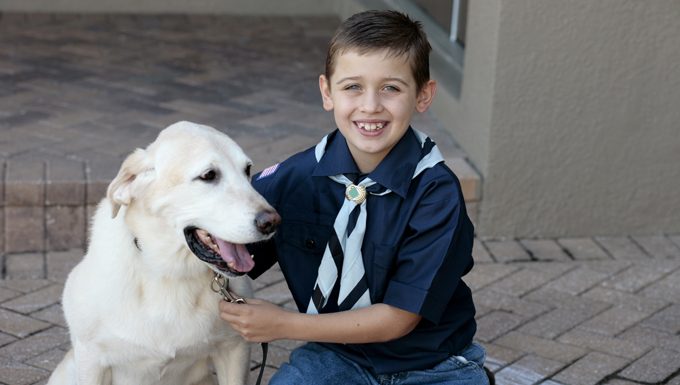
[[236, 256]]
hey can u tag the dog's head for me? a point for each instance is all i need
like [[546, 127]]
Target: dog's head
[[193, 184]]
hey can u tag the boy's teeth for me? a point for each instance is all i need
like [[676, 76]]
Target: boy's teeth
[[370, 126]]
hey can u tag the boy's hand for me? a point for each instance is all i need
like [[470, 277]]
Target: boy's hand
[[256, 320]]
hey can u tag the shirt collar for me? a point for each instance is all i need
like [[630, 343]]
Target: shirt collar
[[337, 159], [394, 172]]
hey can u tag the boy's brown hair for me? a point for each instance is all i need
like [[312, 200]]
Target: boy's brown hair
[[383, 30]]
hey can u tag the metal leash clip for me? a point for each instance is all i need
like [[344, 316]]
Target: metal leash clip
[[220, 285]]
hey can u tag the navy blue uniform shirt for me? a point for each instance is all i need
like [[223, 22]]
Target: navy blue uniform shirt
[[417, 246]]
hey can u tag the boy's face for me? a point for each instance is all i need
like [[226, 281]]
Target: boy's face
[[373, 97]]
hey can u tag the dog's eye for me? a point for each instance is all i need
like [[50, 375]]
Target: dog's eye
[[208, 176], [247, 170]]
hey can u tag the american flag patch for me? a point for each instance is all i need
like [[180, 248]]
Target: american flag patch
[[268, 171]]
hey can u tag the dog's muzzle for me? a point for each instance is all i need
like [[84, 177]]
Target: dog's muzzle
[[223, 256]]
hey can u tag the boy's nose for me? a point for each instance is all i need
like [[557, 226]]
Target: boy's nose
[[371, 102]]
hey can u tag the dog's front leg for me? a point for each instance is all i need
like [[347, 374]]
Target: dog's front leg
[[232, 362], [89, 368]]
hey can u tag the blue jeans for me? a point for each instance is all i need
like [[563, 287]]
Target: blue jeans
[[313, 364]]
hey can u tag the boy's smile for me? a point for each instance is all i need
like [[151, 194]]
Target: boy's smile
[[373, 97]]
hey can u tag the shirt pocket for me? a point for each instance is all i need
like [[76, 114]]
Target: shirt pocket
[[379, 263]]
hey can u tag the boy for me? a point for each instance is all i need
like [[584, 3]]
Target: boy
[[375, 237]]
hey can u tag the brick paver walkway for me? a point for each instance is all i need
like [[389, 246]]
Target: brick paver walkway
[[77, 93]]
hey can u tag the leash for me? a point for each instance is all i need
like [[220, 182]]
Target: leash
[[220, 285]]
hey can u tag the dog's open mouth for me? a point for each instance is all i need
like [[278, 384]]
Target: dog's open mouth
[[225, 256]]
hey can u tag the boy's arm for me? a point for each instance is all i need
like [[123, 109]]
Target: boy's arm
[[261, 321]]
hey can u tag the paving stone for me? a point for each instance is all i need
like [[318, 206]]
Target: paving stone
[[496, 324], [277, 293], [6, 339], [577, 281], [7, 294], [658, 246], [482, 275], [24, 178], [52, 314], [545, 249], [528, 370], [65, 227], [2, 225], [525, 280], [558, 321], [526, 310], [16, 373], [47, 360], [35, 344], [626, 300], [266, 376], [639, 276], [542, 347], [507, 251], [614, 321], [60, 263], [19, 325], [498, 357], [667, 320], [24, 285], [35, 301], [675, 238], [25, 266], [550, 269], [25, 229], [583, 248], [610, 267], [666, 288], [590, 369], [275, 357], [654, 367], [581, 304], [674, 381], [621, 248], [479, 252], [269, 277], [646, 336], [605, 344], [65, 181], [617, 381]]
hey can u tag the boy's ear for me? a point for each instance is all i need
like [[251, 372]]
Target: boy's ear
[[325, 88], [426, 95]]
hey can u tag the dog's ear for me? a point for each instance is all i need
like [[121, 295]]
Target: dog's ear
[[121, 190]]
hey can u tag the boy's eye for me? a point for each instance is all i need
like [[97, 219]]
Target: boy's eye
[[391, 88], [352, 87]]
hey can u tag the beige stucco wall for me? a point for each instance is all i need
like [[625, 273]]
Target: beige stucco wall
[[271, 7], [582, 134]]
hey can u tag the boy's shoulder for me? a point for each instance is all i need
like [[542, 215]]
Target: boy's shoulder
[[289, 171], [438, 183]]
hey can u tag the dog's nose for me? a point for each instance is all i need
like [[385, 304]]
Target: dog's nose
[[267, 221]]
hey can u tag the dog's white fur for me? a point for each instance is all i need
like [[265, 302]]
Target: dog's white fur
[[146, 314]]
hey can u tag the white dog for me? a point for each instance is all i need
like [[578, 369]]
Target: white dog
[[139, 306]]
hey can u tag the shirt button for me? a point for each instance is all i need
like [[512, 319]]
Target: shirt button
[[310, 243]]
